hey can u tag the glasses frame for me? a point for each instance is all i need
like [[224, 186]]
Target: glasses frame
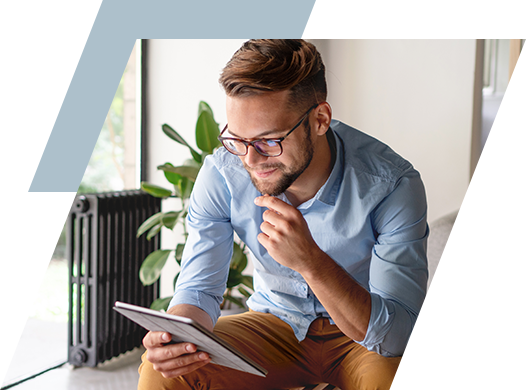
[[251, 143]]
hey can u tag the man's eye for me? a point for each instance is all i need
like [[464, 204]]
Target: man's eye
[[271, 143]]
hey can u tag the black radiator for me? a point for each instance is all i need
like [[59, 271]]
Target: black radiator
[[104, 257]]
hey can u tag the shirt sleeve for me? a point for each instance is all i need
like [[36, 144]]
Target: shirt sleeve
[[398, 271], [208, 250]]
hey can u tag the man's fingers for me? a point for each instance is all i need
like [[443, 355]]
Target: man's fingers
[[185, 370], [263, 239], [182, 365], [271, 217], [274, 204], [156, 339], [170, 352], [179, 361]]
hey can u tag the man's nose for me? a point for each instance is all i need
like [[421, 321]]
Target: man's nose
[[253, 158]]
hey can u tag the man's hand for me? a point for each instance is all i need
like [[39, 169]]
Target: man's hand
[[286, 236], [172, 360]]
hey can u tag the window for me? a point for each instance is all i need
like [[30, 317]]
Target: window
[[114, 165]]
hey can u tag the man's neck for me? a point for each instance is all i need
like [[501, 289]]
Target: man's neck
[[314, 177]]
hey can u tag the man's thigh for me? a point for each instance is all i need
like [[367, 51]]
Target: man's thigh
[[262, 337]]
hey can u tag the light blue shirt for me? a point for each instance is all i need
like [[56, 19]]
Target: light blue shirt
[[369, 217]]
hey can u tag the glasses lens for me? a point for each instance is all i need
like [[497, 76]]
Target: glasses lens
[[235, 147], [269, 147]]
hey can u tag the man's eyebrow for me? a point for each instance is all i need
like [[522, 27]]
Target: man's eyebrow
[[261, 135]]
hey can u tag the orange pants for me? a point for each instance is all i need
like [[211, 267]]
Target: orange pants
[[325, 356]]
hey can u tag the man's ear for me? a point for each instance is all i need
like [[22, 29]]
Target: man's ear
[[323, 116]]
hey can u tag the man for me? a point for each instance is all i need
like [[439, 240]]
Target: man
[[335, 222]]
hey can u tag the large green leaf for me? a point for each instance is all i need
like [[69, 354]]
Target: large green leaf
[[185, 187], [203, 106], [153, 231], [179, 253], [170, 132], [150, 223], [206, 132], [183, 170], [234, 278], [161, 304], [197, 157], [239, 259], [155, 190], [172, 177], [152, 266], [170, 218], [248, 281]]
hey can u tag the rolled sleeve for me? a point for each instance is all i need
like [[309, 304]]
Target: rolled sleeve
[[398, 271], [208, 250], [208, 303], [389, 328]]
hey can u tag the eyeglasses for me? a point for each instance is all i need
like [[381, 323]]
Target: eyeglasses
[[266, 147]]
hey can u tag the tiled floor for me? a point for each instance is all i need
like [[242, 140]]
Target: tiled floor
[[118, 373], [44, 339], [44, 344]]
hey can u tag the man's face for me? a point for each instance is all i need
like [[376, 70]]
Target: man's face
[[268, 116]]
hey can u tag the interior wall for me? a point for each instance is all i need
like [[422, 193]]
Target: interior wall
[[414, 95]]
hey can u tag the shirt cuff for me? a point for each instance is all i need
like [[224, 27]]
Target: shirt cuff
[[208, 303], [389, 328]]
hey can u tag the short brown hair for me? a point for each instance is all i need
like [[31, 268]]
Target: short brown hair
[[273, 65]]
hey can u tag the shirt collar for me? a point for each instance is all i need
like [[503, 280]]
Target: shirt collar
[[329, 191]]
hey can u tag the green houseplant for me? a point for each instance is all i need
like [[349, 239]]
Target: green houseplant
[[182, 179]]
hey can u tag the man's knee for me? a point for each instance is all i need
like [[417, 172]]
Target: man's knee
[[377, 373], [365, 370]]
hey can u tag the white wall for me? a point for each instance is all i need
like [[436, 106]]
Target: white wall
[[181, 73], [414, 95]]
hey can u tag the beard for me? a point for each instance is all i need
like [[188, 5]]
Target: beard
[[288, 174]]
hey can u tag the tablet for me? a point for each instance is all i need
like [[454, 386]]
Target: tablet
[[185, 329]]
